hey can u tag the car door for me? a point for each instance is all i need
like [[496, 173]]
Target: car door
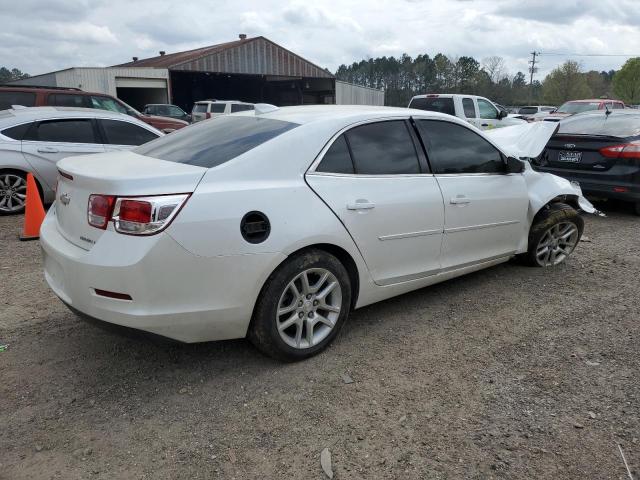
[[485, 208], [49, 141], [488, 115], [470, 111], [375, 179], [123, 135]]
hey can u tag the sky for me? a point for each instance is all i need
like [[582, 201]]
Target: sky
[[40, 36]]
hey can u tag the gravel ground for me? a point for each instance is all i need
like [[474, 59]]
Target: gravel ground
[[511, 372]]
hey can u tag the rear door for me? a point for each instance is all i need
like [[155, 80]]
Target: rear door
[[469, 110], [49, 141], [375, 180], [485, 208]]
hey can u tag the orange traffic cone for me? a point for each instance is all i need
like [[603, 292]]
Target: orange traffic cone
[[33, 211]]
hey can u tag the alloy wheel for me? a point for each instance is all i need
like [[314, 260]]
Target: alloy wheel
[[309, 308], [557, 243], [13, 192]]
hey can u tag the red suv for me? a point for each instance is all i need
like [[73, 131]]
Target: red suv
[[73, 97]]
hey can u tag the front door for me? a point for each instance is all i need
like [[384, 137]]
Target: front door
[[49, 141], [485, 208], [376, 181]]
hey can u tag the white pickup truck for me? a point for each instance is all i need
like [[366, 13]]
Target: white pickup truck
[[478, 111]]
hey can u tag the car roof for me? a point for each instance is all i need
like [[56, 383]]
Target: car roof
[[62, 90], [594, 100], [29, 114], [344, 114]]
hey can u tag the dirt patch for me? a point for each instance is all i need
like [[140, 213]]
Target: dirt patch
[[511, 372]]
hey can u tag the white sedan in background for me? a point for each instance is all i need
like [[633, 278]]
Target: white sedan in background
[[275, 224], [33, 140]]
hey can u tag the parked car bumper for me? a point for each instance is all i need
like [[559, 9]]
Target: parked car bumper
[[173, 293]]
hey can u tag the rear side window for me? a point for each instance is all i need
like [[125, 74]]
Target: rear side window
[[434, 104], [209, 144], [618, 105], [67, 131], [26, 99], [125, 133], [18, 132], [383, 148], [337, 159], [469, 108], [239, 107], [66, 100], [217, 107], [453, 148]]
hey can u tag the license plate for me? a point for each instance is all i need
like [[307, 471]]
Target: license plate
[[571, 157]]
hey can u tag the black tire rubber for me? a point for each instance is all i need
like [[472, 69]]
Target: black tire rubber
[[546, 218], [636, 208], [24, 176], [263, 332]]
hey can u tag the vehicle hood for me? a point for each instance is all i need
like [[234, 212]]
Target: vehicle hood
[[523, 141]]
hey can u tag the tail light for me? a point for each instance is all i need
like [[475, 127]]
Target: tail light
[[135, 215], [625, 150]]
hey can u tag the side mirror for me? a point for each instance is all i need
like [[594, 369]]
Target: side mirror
[[514, 165], [502, 114]]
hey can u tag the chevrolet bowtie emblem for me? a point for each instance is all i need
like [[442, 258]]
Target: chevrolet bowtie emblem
[[65, 198]]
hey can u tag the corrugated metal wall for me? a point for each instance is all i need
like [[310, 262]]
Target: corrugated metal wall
[[259, 57], [349, 94], [103, 80]]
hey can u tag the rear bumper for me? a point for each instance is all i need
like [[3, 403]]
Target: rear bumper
[[173, 292], [601, 185]]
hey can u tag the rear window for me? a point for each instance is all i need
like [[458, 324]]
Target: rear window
[[528, 110], [434, 104], [614, 125], [26, 99], [212, 143], [199, 108]]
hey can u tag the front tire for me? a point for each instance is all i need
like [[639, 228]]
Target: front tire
[[554, 234], [302, 306]]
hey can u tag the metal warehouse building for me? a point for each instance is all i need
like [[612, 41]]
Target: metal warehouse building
[[249, 69]]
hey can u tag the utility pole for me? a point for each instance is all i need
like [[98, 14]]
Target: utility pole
[[532, 70]]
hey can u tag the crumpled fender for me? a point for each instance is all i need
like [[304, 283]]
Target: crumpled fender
[[523, 141], [544, 187]]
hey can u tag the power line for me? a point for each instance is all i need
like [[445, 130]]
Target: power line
[[589, 54]]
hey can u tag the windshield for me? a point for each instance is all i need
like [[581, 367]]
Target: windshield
[[577, 107], [214, 142]]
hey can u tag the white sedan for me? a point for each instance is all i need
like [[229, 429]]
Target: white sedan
[[275, 224]]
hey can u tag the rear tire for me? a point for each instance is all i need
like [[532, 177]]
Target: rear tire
[[636, 208], [302, 306], [13, 192], [555, 233]]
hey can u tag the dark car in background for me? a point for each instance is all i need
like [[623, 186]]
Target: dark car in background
[[167, 110], [32, 96], [601, 151]]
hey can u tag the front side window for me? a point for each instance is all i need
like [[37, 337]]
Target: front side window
[[174, 111], [212, 143], [199, 108], [106, 103], [453, 148], [337, 159], [469, 108], [487, 110], [67, 100], [383, 148], [66, 131], [240, 107], [117, 132], [26, 99]]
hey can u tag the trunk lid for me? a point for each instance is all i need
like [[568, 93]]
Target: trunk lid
[[579, 152], [115, 173], [523, 141]]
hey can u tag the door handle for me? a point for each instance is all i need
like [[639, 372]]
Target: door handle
[[459, 200], [47, 150], [361, 205], [485, 125]]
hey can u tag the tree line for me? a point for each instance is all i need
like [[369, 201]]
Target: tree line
[[404, 77]]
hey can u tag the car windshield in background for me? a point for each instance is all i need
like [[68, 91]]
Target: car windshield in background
[[528, 110], [212, 143], [577, 107], [200, 108], [613, 125], [434, 104]]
